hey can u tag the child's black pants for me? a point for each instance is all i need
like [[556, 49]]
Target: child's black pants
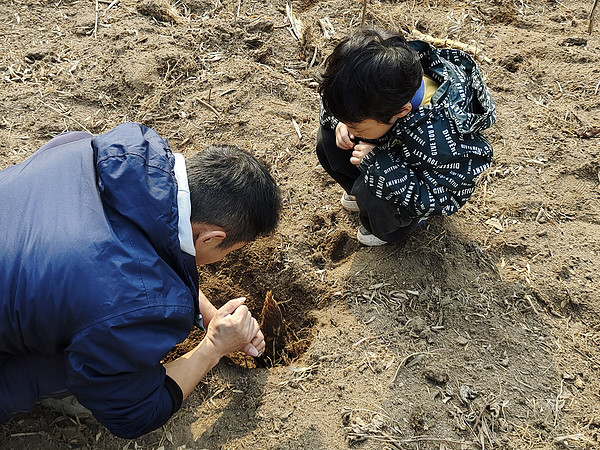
[[378, 216]]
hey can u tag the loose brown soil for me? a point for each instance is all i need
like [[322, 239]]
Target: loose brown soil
[[483, 331]]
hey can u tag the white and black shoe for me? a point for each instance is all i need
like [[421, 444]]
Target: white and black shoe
[[368, 239], [349, 202]]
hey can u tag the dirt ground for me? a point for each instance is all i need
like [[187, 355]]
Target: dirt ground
[[481, 332]]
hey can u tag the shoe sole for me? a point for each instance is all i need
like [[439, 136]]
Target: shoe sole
[[369, 240], [349, 205]]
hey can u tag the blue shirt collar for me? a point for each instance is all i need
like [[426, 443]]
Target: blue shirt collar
[[418, 97]]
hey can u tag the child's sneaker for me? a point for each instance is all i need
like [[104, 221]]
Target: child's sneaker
[[368, 239], [349, 202]]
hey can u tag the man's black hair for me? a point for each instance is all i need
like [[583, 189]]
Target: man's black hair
[[371, 74], [230, 188]]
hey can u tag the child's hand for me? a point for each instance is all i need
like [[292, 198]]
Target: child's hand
[[343, 139], [359, 152]]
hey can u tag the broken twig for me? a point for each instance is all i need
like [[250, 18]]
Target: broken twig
[[364, 12], [449, 43], [592, 17], [297, 128], [96, 20], [295, 24], [113, 3], [209, 106]]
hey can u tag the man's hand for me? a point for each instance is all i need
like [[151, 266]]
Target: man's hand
[[343, 139], [256, 347], [233, 328], [359, 152]]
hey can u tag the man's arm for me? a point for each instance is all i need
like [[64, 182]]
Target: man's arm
[[189, 369], [207, 309], [231, 328]]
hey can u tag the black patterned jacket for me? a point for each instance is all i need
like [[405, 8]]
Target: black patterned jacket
[[428, 161]]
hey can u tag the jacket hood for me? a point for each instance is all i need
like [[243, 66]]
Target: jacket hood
[[134, 169], [461, 91]]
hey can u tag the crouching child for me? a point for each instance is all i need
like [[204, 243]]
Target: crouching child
[[400, 130]]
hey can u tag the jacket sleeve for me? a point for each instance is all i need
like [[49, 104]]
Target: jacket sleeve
[[424, 180], [114, 369], [326, 119]]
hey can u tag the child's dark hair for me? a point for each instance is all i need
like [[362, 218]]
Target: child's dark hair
[[371, 74]]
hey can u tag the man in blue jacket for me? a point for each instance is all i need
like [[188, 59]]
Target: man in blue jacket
[[99, 241]]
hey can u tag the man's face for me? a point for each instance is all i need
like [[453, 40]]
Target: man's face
[[369, 128], [210, 251]]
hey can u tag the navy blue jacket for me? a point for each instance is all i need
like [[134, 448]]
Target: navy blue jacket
[[91, 269], [428, 162]]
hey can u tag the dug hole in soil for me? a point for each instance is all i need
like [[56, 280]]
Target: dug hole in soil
[[258, 272], [481, 332]]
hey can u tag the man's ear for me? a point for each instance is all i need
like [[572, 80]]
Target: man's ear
[[404, 111], [206, 236]]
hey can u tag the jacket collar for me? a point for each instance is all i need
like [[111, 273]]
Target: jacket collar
[[184, 206]]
